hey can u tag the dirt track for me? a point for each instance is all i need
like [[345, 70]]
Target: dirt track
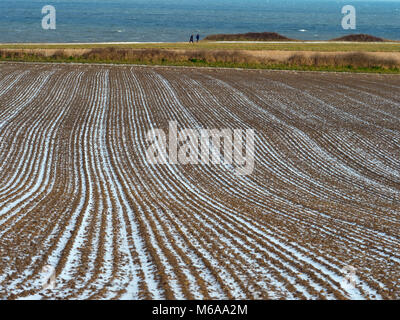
[[77, 193]]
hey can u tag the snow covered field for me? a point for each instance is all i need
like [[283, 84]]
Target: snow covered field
[[77, 193]]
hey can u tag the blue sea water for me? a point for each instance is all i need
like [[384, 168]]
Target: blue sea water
[[175, 20]]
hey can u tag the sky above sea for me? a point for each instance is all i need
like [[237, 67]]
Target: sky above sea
[[175, 20]]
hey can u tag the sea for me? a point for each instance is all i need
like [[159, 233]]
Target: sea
[[175, 20]]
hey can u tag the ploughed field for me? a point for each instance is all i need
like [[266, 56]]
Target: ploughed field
[[77, 192]]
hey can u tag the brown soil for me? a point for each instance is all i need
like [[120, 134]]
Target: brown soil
[[77, 192]]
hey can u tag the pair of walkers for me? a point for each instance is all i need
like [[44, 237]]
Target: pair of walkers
[[192, 38]]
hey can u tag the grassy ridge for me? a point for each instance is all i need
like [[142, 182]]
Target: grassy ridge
[[294, 46], [353, 61], [250, 36]]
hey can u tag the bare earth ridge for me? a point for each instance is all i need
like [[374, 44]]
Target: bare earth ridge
[[77, 193]]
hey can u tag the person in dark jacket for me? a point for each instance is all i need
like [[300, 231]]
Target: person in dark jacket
[[191, 39], [197, 37]]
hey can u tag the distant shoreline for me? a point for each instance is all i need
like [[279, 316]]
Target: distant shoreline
[[247, 38]]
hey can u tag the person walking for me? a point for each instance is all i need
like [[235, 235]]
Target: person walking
[[197, 38], [191, 39]]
